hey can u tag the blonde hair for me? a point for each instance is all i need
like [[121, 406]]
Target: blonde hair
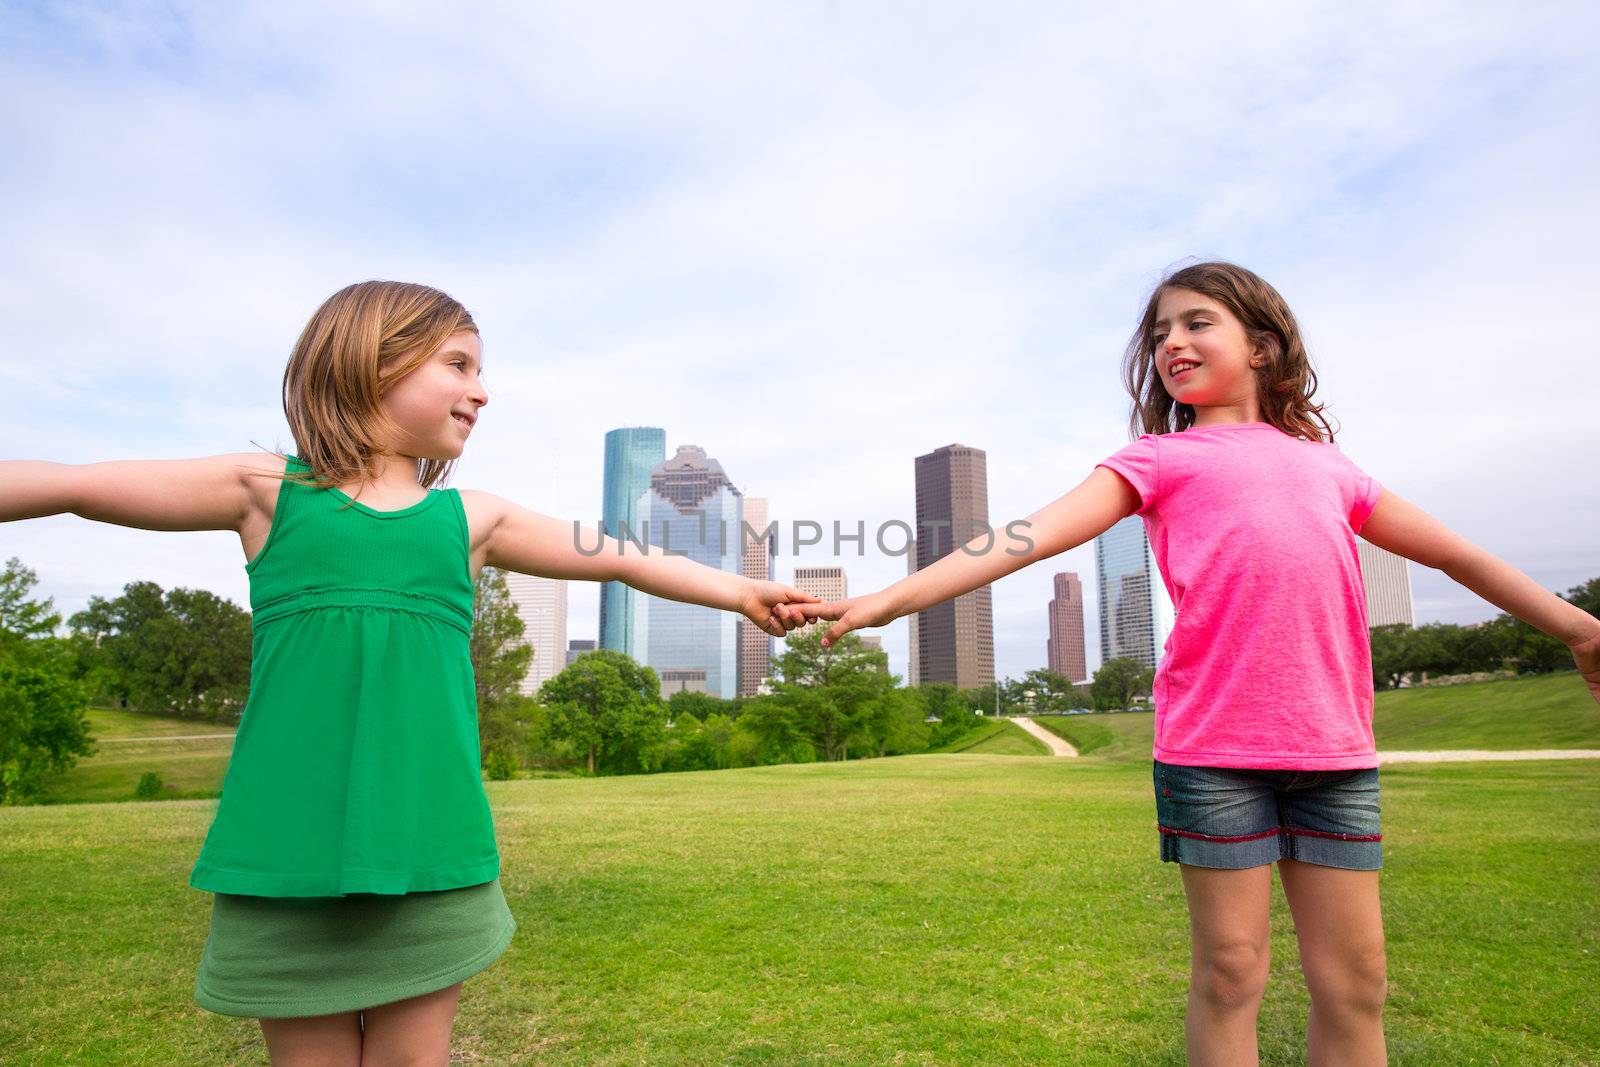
[[362, 341], [1284, 383]]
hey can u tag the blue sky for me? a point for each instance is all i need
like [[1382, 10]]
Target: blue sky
[[817, 240]]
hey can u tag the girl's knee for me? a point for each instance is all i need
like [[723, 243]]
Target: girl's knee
[[1355, 981], [1232, 975]]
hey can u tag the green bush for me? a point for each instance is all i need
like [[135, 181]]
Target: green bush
[[502, 763], [149, 787]]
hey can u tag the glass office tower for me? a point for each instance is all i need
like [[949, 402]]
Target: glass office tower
[[631, 454], [1136, 614], [693, 510]]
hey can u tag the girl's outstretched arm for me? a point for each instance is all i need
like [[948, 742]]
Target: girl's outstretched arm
[[517, 539], [214, 493], [1405, 529], [1088, 511]]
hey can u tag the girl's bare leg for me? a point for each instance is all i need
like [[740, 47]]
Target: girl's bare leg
[[314, 1041], [1340, 926], [415, 1031], [1229, 946]]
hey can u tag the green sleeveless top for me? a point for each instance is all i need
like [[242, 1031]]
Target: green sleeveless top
[[355, 768]]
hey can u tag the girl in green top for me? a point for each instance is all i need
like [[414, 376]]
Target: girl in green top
[[352, 857]]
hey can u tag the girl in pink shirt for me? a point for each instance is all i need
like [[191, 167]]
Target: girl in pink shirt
[[1263, 742]]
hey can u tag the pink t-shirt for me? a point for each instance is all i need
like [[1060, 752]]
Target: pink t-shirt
[[1269, 664]]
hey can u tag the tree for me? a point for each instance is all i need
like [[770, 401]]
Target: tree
[[1053, 692], [23, 618], [955, 714], [893, 723], [185, 652], [500, 659], [42, 727], [1390, 654], [700, 706], [830, 691], [1118, 681], [42, 723], [774, 729], [608, 708]]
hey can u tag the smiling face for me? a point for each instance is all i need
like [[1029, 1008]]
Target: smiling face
[[1205, 358], [435, 405]]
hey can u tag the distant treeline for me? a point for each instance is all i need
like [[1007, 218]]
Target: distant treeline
[[186, 652]]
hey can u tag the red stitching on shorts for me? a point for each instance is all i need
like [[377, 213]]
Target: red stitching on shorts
[[1209, 837], [1337, 837]]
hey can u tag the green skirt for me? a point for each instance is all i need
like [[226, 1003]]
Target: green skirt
[[283, 957]]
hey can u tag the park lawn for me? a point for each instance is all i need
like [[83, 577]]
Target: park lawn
[[998, 738], [946, 909], [120, 722], [187, 768], [1542, 711]]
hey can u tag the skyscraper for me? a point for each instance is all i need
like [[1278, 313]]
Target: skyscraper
[[542, 606], [692, 510], [1064, 651], [1136, 614], [758, 549], [631, 454], [1388, 584], [577, 647], [956, 638]]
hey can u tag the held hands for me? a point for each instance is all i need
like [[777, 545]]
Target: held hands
[[853, 614], [775, 608]]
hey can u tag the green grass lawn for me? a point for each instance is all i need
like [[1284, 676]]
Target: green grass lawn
[[1546, 711], [950, 909], [998, 737], [187, 768]]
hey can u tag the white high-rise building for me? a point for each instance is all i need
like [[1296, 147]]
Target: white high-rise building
[[1388, 585], [542, 606]]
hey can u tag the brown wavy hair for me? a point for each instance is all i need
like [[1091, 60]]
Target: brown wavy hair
[[1284, 385], [361, 342]]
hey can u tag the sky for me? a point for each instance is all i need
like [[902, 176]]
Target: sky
[[816, 240]]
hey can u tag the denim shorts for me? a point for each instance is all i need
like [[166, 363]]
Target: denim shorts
[[1230, 818]]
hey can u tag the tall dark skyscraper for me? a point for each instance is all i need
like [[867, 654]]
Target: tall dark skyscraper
[[1064, 650], [631, 454], [955, 640]]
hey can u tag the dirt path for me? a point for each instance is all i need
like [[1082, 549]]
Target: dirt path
[[159, 737], [1056, 745], [1466, 755]]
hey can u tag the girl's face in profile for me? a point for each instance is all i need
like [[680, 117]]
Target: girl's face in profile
[[1202, 352], [437, 404]]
